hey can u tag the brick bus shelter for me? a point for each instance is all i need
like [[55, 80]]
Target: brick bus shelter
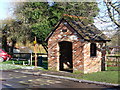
[[72, 46]]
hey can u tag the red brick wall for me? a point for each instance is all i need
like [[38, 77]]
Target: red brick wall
[[91, 64]]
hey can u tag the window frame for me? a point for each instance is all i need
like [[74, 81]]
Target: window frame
[[93, 50]]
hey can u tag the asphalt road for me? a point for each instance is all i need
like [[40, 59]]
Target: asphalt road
[[12, 80]]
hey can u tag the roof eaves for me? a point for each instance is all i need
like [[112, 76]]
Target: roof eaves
[[54, 29], [97, 40]]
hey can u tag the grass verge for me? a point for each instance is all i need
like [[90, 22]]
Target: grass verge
[[104, 76], [9, 66]]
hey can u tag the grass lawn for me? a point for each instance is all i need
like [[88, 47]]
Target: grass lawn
[[113, 68], [9, 66], [104, 76]]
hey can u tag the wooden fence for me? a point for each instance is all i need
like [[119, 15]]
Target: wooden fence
[[113, 61]]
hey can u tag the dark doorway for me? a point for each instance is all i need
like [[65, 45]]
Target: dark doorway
[[65, 60]]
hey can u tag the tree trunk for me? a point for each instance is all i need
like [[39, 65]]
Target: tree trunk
[[4, 43], [13, 45]]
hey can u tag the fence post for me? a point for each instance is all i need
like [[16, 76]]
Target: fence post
[[106, 63], [31, 59]]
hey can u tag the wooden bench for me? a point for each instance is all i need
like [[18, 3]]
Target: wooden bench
[[21, 57], [26, 57]]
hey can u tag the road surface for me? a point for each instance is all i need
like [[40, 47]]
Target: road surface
[[13, 80]]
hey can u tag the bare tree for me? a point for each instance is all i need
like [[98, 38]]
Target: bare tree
[[113, 10]]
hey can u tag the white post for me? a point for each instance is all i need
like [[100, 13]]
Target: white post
[[31, 59]]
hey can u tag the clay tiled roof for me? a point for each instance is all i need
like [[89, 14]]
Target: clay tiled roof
[[87, 32]]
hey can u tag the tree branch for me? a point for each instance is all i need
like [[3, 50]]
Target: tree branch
[[114, 7], [110, 15]]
